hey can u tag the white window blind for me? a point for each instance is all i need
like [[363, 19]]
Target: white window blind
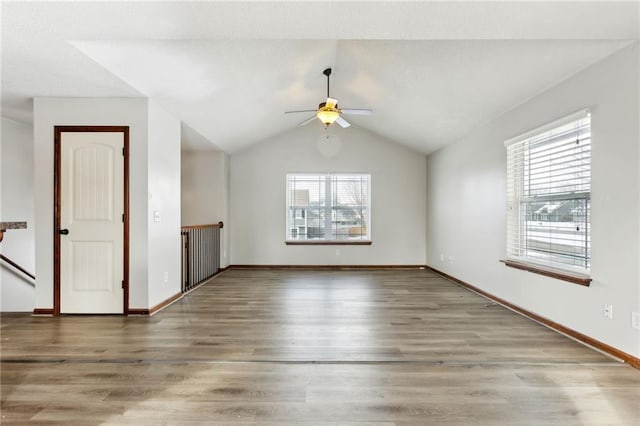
[[328, 207], [549, 195]]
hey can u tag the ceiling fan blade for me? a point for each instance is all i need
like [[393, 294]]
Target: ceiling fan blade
[[301, 110], [307, 121], [342, 122], [331, 103], [356, 111]]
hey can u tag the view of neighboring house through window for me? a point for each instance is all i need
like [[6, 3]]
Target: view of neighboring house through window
[[549, 195], [323, 207]]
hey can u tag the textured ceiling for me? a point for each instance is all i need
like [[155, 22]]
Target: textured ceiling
[[431, 71]]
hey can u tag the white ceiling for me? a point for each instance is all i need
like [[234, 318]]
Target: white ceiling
[[431, 71]]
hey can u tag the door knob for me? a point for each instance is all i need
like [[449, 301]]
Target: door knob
[[64, 231]]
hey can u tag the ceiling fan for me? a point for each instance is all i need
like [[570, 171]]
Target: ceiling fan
[[328, 112]]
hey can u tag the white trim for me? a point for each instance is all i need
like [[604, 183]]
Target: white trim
[[557, 123]]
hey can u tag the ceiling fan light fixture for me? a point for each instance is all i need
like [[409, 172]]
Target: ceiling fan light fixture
[[327, 115]]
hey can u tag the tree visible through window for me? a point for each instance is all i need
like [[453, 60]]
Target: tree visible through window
[[549, 195], [328, 207]]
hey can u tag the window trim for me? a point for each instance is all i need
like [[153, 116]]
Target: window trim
[[560, 274], [328, 242], [565, 272]]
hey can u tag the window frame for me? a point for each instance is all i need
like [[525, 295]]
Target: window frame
[[518, 203], [328, 208]]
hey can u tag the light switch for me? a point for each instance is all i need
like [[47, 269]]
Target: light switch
[[156, 216]]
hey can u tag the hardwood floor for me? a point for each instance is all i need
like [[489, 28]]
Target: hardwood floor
[[278, 347]]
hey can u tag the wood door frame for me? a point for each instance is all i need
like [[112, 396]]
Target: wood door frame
[[57, 190]]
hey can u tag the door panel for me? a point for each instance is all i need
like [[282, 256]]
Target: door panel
[[91, 266], [91, 208], [92, 187]]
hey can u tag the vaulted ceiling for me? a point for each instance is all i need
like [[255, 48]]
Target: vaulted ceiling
[[432, 71]]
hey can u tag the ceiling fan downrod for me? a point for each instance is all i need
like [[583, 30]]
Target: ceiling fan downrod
[[327, 72]]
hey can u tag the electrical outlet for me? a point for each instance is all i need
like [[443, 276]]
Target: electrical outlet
[[635, 320], [441, 257], [337, 252], [450, 260], [166, 277], [608, 311]]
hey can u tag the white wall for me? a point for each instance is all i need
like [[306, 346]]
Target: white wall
[[164, 198], [49, 112], [466, 205], [205, 192], [257, 198], [17, 205]]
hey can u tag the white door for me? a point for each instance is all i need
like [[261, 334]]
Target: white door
[[91, 209]]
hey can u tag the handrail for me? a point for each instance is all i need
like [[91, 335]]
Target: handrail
[[18, 267], [209, 225], [11, 225]]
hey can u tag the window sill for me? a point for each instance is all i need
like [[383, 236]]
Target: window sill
[[549, 272], [329, 243]]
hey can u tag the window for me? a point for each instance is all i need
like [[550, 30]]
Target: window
[[332, 208], [549, 195]]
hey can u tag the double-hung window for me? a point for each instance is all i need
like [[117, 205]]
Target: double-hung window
[[549, 195], [328, 208]]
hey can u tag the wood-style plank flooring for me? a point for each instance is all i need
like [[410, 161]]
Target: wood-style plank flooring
[[280, 347]]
